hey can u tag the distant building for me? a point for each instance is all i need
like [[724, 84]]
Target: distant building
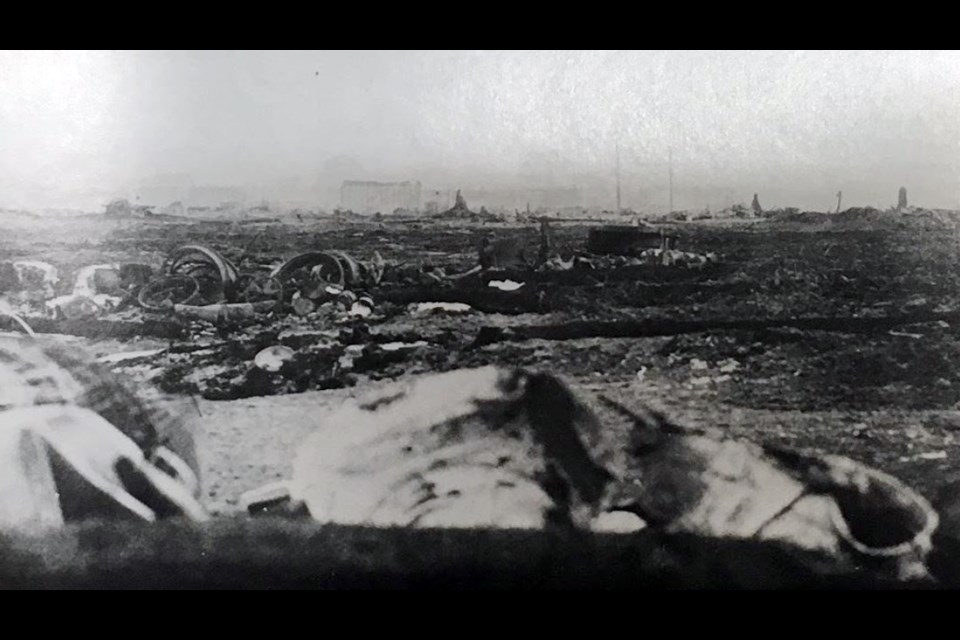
[[438, 200], [383, 197]]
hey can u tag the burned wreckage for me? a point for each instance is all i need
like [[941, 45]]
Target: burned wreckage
[[491, 457]]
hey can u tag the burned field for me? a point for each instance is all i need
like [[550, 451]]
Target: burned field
[[837, 336]]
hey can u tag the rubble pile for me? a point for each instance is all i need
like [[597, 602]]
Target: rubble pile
[[460, 211], [321, 304], [869, 218], [790, 341], [509, 448], [490, 448]]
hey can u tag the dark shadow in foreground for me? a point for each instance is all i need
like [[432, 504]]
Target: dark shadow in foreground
[[288, 554]]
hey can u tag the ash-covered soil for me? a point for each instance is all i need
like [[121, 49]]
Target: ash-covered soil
[[885, 395]]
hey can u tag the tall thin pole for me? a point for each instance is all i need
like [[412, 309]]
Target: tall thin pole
[[618, 178], [670, 164]]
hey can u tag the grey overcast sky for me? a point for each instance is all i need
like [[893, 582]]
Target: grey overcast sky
[[795, 126]]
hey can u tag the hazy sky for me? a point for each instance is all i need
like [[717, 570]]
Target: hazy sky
[[793, 126]]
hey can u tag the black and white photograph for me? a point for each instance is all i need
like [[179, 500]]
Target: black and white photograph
[[495, 320]]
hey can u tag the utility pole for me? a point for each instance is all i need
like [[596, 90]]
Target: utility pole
[[618, 177], [670, 169]]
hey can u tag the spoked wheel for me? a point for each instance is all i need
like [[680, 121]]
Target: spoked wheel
[[311, 274], [161, 294], [204, 263], [259, 287]]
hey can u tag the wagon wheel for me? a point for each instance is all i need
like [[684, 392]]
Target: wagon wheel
[[185, 259], [328, 272], [212, 288], [352, 271], [310, 274], [259, 287], [332, 269], [161, 294]]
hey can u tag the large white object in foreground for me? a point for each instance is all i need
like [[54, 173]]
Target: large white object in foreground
[[75, 444], [458, 449], [60, 464], [508, 448]]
